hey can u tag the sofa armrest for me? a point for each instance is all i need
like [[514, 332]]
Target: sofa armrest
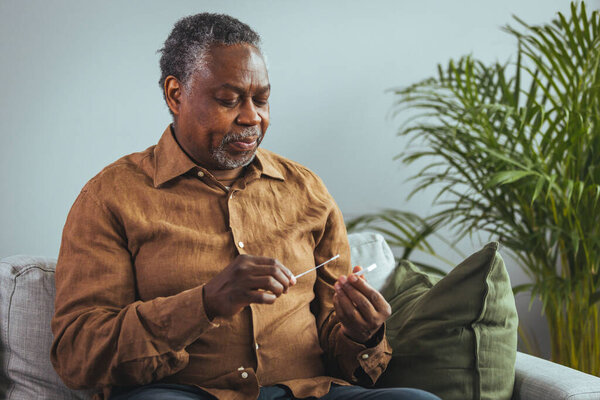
[[536, 379]]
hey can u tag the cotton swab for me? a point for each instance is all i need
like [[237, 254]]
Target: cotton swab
[[318, 266], [368, 269]]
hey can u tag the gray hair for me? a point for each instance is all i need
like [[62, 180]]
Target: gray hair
[[187, 47]]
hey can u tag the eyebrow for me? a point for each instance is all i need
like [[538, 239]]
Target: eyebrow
[[241, 90]]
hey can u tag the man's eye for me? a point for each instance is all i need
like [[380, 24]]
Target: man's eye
[[228, 102], [260, 101]]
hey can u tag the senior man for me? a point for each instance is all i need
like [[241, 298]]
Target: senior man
[[176, 273]]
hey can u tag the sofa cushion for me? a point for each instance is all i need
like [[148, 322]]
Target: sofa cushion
[[455, 336], [26, 308], [367, 248]]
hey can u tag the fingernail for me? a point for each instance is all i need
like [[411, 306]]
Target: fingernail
[[337, 286], [352, 278]]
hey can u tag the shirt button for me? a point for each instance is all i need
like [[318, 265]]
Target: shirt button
[[364, 356], [241, 244], [244, 375], [200, 174], [256, 346]]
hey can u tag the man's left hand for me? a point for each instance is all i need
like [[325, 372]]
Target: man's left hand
[[360, 308]]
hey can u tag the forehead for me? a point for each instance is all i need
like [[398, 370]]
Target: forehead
[[239, 65]]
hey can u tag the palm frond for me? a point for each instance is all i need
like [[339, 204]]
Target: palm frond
[[515, 149]]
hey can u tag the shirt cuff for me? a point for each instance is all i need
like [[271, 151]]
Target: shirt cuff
[[372, 358]]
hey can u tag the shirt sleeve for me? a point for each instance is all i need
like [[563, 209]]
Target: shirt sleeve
[[103, 335], [347, 359]]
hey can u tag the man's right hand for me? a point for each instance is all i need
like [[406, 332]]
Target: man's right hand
[[248, 279]]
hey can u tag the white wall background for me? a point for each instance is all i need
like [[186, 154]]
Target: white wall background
[[79, 90]]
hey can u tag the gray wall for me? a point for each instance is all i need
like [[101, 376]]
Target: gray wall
[[79, 90]]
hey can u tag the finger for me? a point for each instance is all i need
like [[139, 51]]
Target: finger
[[266, 282], [261, 297], [352, 323], [275, 271], [287, 272], [351, 316], [339, 311], [272, 262], [264, 266], [374, 297], [356, 269], [259, 260], [362, 303]]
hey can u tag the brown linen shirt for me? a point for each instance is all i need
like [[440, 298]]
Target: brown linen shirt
[[151, 229]]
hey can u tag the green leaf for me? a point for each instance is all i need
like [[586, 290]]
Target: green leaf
[[538, 188], [505, 177], [525, 287]]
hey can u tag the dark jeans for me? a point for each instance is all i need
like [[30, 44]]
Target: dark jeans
[[160, 391]]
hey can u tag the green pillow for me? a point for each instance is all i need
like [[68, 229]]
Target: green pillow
[[455, 336]]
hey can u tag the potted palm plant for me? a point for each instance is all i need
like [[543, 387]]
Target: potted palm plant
[[515, 149]]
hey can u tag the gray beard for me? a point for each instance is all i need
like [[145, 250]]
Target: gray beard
[[223, 159]]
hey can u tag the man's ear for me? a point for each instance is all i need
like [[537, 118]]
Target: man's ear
[[173, 93]]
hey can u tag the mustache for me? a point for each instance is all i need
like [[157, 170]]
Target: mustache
[[250, 131]]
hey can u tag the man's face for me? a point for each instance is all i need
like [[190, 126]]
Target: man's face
[[222, 119]]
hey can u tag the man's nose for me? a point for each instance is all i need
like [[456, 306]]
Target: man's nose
[[248, 114]]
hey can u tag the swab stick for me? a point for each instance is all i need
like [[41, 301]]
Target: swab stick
[[318, 266]]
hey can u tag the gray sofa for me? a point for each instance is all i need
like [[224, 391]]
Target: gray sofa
[[27, 302]]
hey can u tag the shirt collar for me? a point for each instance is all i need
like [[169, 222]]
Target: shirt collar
[[170, 161], [267, 165]]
